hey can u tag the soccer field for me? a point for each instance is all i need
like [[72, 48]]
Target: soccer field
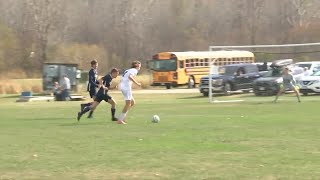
[[193, 140]]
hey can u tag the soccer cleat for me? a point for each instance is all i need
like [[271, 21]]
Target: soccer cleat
[[79, 116], [121, 122], [114, 119]]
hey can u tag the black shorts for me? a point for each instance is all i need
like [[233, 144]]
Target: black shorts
[[102, 97], [92, 92]]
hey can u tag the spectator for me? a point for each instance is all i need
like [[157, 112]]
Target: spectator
[[65, 87], [57, 91], [306, 71], [264, 66]]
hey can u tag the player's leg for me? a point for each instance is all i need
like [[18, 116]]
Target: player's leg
[[94, 96], [92, 107], [133, 102], [124, 112], [113, 109], [128, 97], [113, 103], [278, 94], [297, 93]]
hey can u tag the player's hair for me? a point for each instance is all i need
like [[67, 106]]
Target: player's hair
[[94, 62], [135, 64], [113, 70]]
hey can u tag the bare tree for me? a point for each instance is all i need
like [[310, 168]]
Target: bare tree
[[47, 14]]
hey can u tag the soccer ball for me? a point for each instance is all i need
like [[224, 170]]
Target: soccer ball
[[155, 118]]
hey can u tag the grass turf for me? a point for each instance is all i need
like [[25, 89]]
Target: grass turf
[[254, 139]]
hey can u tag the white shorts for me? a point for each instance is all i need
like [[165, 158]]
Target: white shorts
[[127, 94]]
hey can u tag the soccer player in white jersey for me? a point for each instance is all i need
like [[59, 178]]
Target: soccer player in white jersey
[[126, 89]]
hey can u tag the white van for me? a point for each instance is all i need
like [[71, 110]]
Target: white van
[[313, 66]]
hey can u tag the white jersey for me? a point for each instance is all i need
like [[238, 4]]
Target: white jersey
[[126, 83]]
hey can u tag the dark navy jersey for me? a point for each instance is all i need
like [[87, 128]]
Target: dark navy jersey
[[93, 74], [106, 82]]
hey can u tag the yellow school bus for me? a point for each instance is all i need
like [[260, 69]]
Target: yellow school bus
[[172, 69]]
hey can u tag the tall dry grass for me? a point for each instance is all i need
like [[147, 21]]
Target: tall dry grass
[[16, 86]]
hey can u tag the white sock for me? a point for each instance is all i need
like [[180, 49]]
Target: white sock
[[122, 116]]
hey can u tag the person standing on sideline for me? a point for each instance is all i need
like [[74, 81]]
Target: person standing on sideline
[[104, 83], [126, 89], [288, 84], [92, 85], [65, 87]]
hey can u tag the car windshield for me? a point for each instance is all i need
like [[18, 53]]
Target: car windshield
[[303, 65], [164, 65], [275, 72], [227, 70], [316, 73]]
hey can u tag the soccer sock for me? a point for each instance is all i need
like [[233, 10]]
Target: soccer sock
[[90, 113], [85, 109], [113, 112], [122, 116], [276, 98]]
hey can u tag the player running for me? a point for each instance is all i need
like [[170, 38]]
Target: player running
[[288, 84], [102, 94], [92, 85], [126, 89]]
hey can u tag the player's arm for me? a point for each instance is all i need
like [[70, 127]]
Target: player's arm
[[100, 81], [134, 80]]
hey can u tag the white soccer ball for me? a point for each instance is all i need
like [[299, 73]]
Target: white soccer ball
[[155, 118]]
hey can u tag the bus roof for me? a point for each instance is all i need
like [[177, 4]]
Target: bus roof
[[210, 54]]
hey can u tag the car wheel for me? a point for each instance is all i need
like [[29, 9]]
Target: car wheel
[[305, 94], [168, 86], [227, 89], [205, 94]]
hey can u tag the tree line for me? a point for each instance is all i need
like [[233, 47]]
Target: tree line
[[116, 32]]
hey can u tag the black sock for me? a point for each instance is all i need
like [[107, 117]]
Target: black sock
[[85, 109], [90, 113], [113, 112]]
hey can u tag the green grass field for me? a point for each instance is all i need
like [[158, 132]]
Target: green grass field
[[194, 139]]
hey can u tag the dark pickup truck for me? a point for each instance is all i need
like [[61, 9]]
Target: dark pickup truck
[[232, 77]]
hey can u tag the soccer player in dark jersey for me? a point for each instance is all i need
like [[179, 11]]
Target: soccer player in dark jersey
[[92, 85], [102, 94]]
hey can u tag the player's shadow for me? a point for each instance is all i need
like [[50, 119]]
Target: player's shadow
[[44, 119], [81, 123]]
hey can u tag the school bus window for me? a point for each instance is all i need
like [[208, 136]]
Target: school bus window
[[196, 62], [206, 60], [201, 62]]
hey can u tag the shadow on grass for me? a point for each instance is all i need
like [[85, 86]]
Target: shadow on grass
[[193, 97], [81, 123], [45, 119]]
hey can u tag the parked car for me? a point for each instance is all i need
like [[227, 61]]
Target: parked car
[[310, 84], [269, 84], [313, 66], [231, 78]]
